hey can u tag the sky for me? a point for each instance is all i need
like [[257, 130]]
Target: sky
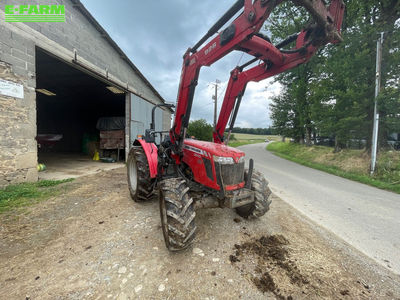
[[156, 34]]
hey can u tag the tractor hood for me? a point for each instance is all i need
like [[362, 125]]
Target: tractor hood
[[209, 149]]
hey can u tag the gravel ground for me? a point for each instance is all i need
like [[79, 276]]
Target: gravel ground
[[365, 217], [94, 242]]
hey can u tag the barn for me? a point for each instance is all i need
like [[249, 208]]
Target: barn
[[67, 91]]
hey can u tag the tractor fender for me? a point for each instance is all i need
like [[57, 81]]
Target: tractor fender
[[150, 149]]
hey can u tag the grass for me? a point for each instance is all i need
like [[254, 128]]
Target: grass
[[350, 164], [241, 139], [25, 194]]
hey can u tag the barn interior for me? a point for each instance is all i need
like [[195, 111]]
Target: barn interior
[[70, 103]]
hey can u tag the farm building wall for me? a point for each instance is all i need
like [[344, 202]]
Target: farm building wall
[[81, 42]]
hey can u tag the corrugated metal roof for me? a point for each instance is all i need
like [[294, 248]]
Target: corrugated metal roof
[[92, 20]]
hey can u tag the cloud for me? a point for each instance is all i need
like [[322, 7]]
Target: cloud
[[254, 110], [155, 35]]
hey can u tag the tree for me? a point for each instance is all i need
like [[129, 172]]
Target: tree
[[200, 129], [293, 107], [333, 94], [350, 69], [283, 115], [257, 131]]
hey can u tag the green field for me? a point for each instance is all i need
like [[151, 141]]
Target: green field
[[241, 139]]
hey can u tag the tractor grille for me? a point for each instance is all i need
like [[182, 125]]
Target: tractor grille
[[231, 173]]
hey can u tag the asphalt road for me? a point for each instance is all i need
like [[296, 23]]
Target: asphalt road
[[365, 217]]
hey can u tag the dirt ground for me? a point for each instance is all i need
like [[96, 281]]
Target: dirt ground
[[61, 166], [94, 242]]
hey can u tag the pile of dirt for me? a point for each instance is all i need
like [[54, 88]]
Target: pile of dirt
[[268, 262], [272, 254]]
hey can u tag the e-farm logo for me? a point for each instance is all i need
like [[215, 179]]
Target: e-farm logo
[[34, 13]]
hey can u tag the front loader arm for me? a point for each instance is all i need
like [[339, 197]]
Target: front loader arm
[[245, 25], [236, 88], [241, 35], [307, 43]]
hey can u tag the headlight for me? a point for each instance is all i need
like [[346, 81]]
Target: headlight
[[223, 160], [241, 159]]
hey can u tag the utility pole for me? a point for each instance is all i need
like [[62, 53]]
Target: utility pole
[[376, 113], [215, 98]]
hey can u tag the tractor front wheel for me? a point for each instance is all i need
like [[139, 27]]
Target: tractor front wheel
[[139, 181], [261, 202], [177, 214]]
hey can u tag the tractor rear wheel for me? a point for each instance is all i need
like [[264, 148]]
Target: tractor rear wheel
[[139, 181], [261, 202], [177, 214]]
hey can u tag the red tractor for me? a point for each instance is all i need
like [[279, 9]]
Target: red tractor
[[190, 174]]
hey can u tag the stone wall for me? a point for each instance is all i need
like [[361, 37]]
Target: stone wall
[[18, 148]]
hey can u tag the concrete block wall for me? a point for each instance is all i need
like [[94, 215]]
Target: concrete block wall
[[18, 148], [19, 53], [166, 117]]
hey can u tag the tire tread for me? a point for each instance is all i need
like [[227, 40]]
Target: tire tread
[[178, 220]]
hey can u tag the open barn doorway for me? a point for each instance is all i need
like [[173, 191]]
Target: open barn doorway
[[78, 116]]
